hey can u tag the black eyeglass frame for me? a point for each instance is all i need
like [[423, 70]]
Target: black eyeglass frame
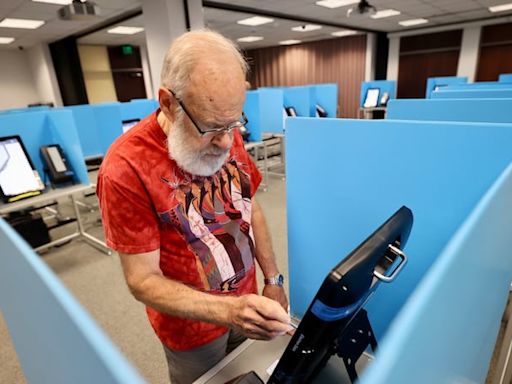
[[215, 131]]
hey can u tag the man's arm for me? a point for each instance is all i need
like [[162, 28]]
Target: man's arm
[[256, 316], [265, 255]]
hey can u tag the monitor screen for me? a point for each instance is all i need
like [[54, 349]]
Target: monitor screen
[[372, 98], [320, 112], [290, 111], [17, 173], [344, 291], [127, 124]]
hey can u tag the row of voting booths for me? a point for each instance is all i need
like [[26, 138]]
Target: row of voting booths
[[447, 159]]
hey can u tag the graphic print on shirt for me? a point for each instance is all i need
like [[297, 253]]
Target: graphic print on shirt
[[214, 215]]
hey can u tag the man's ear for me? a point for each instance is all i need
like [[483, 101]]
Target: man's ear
[[167, 103]]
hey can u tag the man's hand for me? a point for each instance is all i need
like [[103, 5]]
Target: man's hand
[[259, 317], [276, 292]]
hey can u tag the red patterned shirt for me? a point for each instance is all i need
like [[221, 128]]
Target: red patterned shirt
[[202, 225]]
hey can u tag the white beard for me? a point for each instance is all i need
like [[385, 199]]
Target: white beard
[[204, 162]]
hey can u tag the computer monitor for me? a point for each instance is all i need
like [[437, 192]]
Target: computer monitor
[[18, 176], [344, 291], [320, 111], [290, 111], [372, 98], [127, 124]]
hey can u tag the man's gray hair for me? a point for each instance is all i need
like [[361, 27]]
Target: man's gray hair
[[188, 49]]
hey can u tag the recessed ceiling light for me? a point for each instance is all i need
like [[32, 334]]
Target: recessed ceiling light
[[249, 39], [290, 42], [343, 33], [306, 28], [336, 3], [385, 13], [256, 20], [59, 2], [409, 23], [501, 8], [6, 40], [21, 23], [121, 30]]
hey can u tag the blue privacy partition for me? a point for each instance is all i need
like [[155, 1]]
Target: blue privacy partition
[[359, 172], [484, 85], [505, 78], [447, 330], [325, 95], [439, 82], [270, 101], [38, 108], [252, 109], [388, 86], [299, 98], [55, 339], [473, 93], [137, 108], [52, 126], [484, 110]]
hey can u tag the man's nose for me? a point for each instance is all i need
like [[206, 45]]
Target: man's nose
[[223, 140]]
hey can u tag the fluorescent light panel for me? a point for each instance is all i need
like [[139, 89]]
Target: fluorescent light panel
[[306, 28], [21, 23], [385, 13], [59, 2], [343, 33], [256, 20], [249, 39], [501, 8], [6, 40], [290, 42], [122, 30], [409, 23], [336, 3]]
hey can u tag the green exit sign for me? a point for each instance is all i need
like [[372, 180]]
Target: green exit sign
[[127, 49]]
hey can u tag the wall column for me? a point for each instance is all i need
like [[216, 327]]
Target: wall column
[[393, 57], [468, 58]]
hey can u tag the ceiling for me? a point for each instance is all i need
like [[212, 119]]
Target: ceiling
[[438, 12]]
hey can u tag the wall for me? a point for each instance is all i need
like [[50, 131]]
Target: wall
[[97, 74], [341, 61], [495, 55], [17, 84], [43, 73]]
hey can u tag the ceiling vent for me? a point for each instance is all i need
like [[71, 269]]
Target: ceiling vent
[[79, 10], [362, 10]]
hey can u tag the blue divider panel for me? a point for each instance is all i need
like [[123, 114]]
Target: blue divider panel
[[55, 339], [388, 86], [484, 110], [43, 128], [433, 82], [474, 93], [487, 85], [447, 330], [505, 78], [299, 98], [252, 109], [138, 108], [271, 110], [358, 172], [326, 95], [38, 108]]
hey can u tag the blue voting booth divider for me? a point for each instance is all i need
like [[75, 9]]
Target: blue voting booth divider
[[55, 339], [326, 96], [38, 108], [264, 109], [484, 85], [505, 78], [300, 98], [138, 108], [51, 126], [440, 82], [482, 110], [473, 93], [366, 170], [388, 86]]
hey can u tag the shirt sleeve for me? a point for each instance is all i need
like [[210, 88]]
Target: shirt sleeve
[[128, 216]]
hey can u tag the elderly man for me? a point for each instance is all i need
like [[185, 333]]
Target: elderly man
[[177, 201]]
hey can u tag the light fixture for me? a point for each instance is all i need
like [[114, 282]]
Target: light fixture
[[249, 39], [59, 2], [306, 28], [6, 40], [336, 3], [501, 8], [255, 20], [290, 42], [343, 33], [21, 23], [122, 30], [409, 23], [385, 13]]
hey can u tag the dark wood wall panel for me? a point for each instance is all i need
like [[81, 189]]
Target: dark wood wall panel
[[495, 56], [424, 56], [127, 73], [340, 61]]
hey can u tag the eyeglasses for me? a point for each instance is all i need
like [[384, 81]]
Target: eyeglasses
[[213, 131]]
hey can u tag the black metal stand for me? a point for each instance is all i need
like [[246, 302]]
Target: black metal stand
[[353, 341]]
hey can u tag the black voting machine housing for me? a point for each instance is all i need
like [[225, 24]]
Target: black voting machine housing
[[335, 322]]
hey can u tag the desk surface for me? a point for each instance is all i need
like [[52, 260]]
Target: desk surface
[[257, 356], [46, 196]]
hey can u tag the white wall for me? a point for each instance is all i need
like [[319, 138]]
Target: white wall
[[43, 73], [17, 88], [371, 53], [468, 59], [393, 58]]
